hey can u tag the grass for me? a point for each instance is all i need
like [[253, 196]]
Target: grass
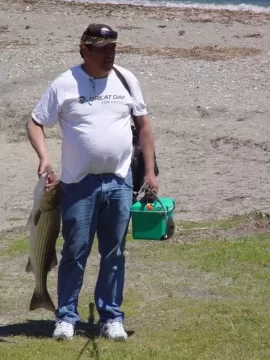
[[19, 245], [222, 224], [13, 219], [204, 300]]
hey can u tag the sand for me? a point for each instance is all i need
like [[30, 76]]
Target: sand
[[205, 79]]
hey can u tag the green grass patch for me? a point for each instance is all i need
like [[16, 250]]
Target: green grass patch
[[203, 300], [244, 254], [13, 218], [223, 224], [16, 245]]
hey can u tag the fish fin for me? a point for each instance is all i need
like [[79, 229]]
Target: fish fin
[[28, 224], [37, 215], [33, 218], [41, 301], [54, 261], [29, 267]]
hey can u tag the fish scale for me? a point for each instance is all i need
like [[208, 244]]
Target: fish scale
[[45, 220], [48, 229]]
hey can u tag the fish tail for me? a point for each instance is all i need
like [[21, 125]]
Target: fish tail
[[41, 301], [29, 267]]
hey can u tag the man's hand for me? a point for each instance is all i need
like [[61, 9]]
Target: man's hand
[[152, 181], [45, 167]]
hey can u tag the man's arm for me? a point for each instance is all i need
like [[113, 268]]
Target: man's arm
[[147, 145], [36, 137]]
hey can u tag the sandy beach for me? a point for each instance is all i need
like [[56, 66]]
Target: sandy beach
[[205, 79]]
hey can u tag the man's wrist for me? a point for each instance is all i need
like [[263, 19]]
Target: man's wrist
[[149, 172], [43, 156]]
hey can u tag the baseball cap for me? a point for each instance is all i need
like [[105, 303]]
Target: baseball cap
[[99, 35]]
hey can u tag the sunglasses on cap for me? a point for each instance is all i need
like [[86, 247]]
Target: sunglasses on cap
[[99, 36], [106, 34]]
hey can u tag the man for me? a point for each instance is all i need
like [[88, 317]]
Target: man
[[93, 109]]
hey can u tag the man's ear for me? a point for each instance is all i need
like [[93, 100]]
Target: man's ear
[[83, 51]]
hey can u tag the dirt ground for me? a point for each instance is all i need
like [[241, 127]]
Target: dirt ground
[[205, 79]]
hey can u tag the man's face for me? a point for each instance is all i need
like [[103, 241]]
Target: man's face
[[103, 56]]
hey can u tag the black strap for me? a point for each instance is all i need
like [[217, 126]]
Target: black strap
[[136, 134], [124, 82], [122, 79]]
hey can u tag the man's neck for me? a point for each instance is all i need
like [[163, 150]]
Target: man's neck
[[95, 73]]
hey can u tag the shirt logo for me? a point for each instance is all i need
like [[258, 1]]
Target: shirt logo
[[106, 99], [82, 99]]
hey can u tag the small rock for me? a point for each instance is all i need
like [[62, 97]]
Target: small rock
[[3, 28]]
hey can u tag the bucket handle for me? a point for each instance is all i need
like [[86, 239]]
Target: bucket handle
[[165, 215]]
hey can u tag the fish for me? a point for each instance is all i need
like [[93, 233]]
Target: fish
[[44, 227]]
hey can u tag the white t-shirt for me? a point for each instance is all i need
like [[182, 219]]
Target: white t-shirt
[[94, 116]]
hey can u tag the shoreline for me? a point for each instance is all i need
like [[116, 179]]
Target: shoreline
[[188, 14], [164, 4]]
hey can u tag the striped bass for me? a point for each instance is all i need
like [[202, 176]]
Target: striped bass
[[44, 226]]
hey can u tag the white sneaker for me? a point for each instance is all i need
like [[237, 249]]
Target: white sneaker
[[63, 330], [113, 330]]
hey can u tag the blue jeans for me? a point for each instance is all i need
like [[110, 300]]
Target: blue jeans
[[98, 204]]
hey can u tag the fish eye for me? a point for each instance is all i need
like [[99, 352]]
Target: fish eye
[[53, 192]]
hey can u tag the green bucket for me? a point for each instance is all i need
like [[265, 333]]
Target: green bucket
[[153, 221]]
